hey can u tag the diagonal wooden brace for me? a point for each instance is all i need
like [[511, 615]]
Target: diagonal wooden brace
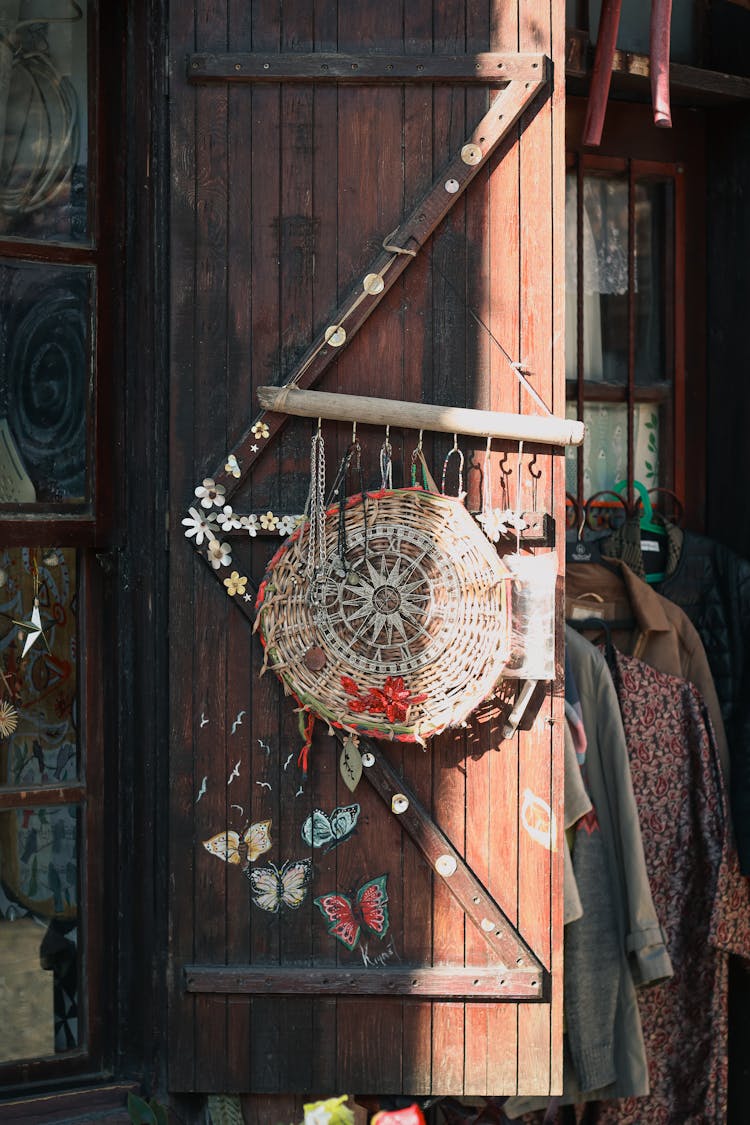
[[388, 266], [473, 898]]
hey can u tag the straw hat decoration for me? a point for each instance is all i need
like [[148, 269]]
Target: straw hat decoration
[[387, 613]]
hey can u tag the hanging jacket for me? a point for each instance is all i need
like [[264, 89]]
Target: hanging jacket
[[618, 943], [663, 637], [711, 584], [700, 896]]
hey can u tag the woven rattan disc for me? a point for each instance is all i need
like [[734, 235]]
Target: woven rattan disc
[[409, 636]]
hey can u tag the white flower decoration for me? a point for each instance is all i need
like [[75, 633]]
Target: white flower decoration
[[226, 518], [286, 525], [491, 525], [268, 521], [210, 493], [250, 524], [219, 554], [500, 521], [232, 466], [198, 525], [260, 430]]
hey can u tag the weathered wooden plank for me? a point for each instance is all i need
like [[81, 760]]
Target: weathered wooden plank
[[265, 1047], [502, 269], [350, 68], [535, 300], [240, 693], [476, 763], [181, 565], [209, 617], [474, 981], [371, 202], [450, 384], [209, 611], [416, 356], [296, 282], [557, 476], [324, 162]]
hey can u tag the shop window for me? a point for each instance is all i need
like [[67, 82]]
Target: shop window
[[56, 280], [623, 311]]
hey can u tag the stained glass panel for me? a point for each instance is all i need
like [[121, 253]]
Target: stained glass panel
[[43, 120], [38, 690], [39, 986]]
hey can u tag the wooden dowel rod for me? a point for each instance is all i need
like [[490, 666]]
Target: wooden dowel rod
[[421, 416]]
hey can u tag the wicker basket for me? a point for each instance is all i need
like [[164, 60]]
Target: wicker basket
[[411, 638]]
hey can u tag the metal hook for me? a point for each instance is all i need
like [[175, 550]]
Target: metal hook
[[503, 461], [536, 475]]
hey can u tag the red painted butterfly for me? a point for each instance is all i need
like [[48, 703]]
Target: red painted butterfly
[[347, 916]]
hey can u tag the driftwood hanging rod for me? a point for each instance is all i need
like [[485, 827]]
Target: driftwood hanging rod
[[421, 416]]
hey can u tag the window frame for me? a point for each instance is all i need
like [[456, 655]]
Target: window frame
[[632, 144], [92, 533]]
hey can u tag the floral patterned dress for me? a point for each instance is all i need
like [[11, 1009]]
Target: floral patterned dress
[[700, 897]]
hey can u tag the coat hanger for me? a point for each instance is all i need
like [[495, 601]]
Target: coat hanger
[[653, 534]]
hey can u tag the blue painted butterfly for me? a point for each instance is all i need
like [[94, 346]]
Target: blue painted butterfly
[[332, 830], [346, 916], [272, 888]]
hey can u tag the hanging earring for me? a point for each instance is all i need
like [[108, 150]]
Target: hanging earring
[[455, 450], [386, 461], [489, 516], [315, 512], [416, 457]]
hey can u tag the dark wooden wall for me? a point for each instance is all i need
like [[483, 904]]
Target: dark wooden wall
[[280, 196]]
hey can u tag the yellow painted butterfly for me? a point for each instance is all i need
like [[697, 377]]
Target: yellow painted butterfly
[[233, 848]]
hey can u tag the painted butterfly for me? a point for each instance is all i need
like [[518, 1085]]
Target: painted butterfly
[[345, 918], [272, 888], [233, 848], [320, 829]]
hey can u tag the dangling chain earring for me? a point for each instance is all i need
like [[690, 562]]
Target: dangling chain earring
[[386, 461], [488, 517], [460, 494], [315, 512]]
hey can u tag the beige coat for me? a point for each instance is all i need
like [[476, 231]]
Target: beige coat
[[663, 635]]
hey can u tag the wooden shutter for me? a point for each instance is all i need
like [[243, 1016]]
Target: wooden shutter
[[282, 195]]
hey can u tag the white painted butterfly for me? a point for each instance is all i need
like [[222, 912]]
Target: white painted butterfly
[[233, 848], [272, 888], [347, 916], [320, 829]]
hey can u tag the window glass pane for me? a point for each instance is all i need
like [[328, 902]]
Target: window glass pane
[[43, 120], [605, 447], [38, 704], [45, 376], [605, 278], [571, 276], [604, 246], [39, 863], [652, 267]]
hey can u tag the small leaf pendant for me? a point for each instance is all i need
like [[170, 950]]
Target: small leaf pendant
[[350, 763]]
